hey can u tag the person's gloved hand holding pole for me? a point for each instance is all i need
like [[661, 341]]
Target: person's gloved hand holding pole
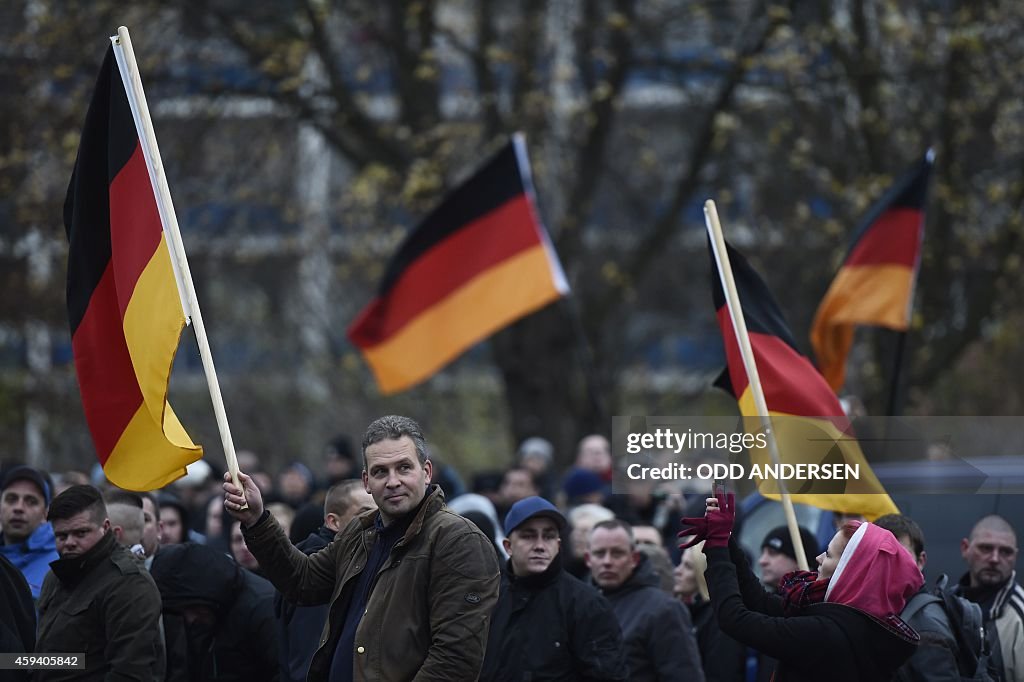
[[720, 516]]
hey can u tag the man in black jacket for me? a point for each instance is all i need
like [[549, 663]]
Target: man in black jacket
[[547, 624], [218, 617], [658, 634]]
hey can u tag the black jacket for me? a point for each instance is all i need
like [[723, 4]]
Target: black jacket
[[238, 642], [656, 629], [18, 625], [299, 627], [825, 641], [551, 626], [722, 657]]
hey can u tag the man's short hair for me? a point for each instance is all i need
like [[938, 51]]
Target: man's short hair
[[394, 427], [130, 518], [126, 497], [900, 526], [338, 499], [612, 524], [75, 500], [994, 523]]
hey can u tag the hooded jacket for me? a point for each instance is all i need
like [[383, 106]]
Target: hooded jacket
[[239, 642], [853, 636], [472, 502], [656, 629], [430, 605], [33, 555]]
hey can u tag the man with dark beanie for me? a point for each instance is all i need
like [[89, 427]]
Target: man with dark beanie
[[777, 559], [98, 599], [778, 556]]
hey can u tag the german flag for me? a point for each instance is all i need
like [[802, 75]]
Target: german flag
[[875, 284], [123, 304], [809, 424], [478, 262]]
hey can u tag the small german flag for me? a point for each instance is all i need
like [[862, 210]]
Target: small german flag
[[875, 284], [478, 262], [124, 309], [809, 423]]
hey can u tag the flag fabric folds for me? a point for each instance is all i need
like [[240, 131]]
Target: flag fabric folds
[[124, 308], [875, 283], [809, 423], [478, 262]]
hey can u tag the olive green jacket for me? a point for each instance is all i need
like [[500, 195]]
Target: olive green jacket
[[105, 605], [429, 610]]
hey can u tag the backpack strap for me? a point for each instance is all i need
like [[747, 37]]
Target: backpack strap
[[918, 602]]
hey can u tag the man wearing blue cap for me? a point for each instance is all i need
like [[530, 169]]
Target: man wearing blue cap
[[27, 538], [547, 624]]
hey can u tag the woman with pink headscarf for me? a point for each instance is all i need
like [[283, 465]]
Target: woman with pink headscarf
[[841, 623]]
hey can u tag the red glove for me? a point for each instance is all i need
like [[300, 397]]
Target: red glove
[[699, 531], [720, 520]]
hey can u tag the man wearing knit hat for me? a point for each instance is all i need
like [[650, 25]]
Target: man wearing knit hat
[[27, 538], [547, 624], [778, 556]]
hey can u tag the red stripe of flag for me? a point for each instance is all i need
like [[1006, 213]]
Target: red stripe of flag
[[135, 227], [479, 246], [105, 369], [893, 239]]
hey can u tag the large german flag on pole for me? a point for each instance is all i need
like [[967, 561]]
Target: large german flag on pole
[[478, 262], [808, 421], [124, 306], [875, 284]]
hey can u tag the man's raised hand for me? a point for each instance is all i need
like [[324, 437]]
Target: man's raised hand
[[235, 499]]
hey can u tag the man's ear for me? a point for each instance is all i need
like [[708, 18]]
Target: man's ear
[[636, 558], [507, 544], [331, 521], [964, 545]]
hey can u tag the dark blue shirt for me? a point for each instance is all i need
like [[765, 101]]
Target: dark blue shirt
[[387, 537]]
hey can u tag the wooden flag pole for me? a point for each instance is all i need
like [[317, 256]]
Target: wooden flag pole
[[186, 289], [739, 326]]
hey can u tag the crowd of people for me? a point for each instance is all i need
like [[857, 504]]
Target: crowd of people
[[385, 565]]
